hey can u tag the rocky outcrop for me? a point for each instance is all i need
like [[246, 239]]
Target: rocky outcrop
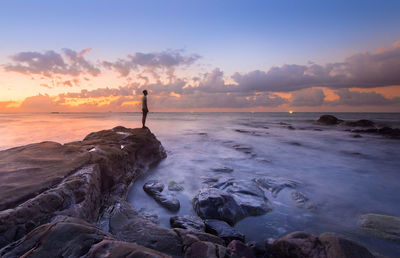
[[230, 200], [187, 222], [388, 132], [223, 230], [328, 120], [79, 179], [167, 200], [381, 226], [73, 237], [301, 244]]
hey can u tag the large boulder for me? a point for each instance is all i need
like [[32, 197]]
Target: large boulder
[[155, 189], [328, 120], [223, 230], [41, 180], [301, 245], [127, 225], [230, 200], [73, 237], [187, 222], [360, 123], [382, 226]]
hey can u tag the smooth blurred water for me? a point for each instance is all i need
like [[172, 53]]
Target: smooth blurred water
[[342, 176]]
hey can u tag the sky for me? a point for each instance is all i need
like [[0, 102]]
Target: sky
[[225, 55]]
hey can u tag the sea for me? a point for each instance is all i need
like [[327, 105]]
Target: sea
[[342, 176]]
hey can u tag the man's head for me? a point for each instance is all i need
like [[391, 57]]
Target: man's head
[[145, 92]]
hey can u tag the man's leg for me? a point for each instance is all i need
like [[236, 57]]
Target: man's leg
[[144, 118]]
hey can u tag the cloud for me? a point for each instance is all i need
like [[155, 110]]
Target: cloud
[[356, 98], [362, 70], [51, 63], [307, 97], [165, 60]]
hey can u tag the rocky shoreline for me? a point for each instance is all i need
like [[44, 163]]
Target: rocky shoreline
[[68, 200]]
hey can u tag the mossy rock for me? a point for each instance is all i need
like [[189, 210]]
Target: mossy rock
[[382, 226]]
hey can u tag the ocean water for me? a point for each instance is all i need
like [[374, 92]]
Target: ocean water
[[343, 177]]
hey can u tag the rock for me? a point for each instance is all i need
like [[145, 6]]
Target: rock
[[152, 187], [230, 200], [72, 237], [382, 226], [202, 236], [77, 179], [239, 249], [360, 123], [301, 244], [127, 225], [223, 230], [187, 222], [201, 249], [223, 170], [174, 186], [150, 215], [275, 185], [167, 200], [257, 248], [328, 120], [388, 132], [299, 198], [356, 136], [290, 127]]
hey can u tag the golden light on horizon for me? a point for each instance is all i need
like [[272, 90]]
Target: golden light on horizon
[[290, 111]]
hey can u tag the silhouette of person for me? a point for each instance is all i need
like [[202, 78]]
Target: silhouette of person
[[145, 110]]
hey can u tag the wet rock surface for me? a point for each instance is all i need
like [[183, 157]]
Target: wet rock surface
[[168, 200], [328, 120], [301, 244], [230, 200], [187, 222], [73, 237], [174, 186], [275, 185], [223, 230], [381, 226], [78, 179], [388, 132]]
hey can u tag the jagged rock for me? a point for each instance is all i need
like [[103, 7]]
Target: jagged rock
[[187, 222], [328, 120], [382, 226], [388, 132], [152, 216], [223, 230], [239, 249], [127, 225], [299, 198], [258, 249], [223, 170], [167, 200], [230, 200], [202, 236], [301, 244], [275, 185], [41, 180], [205, 249], [72, 237], [360, 123], [174, 186]]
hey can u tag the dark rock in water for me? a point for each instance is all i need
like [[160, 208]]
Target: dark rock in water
[[290, 127], [223, 170], [167, 200], [257, 248], [77, 179], [275, 185], [393, 133], [239, 249], [381, 226], [201, 236], [230, 200], [73, 237], [360, 123], [317, 129], [295, 143], [153, 186], [301, 244], [205, 249], [356, 136], [223, 230], [187, 222], [127, 225], [243, 148], [299, 198], [328, 120], [174, 186]]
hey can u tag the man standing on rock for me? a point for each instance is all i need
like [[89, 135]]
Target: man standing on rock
[[145, 110]]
